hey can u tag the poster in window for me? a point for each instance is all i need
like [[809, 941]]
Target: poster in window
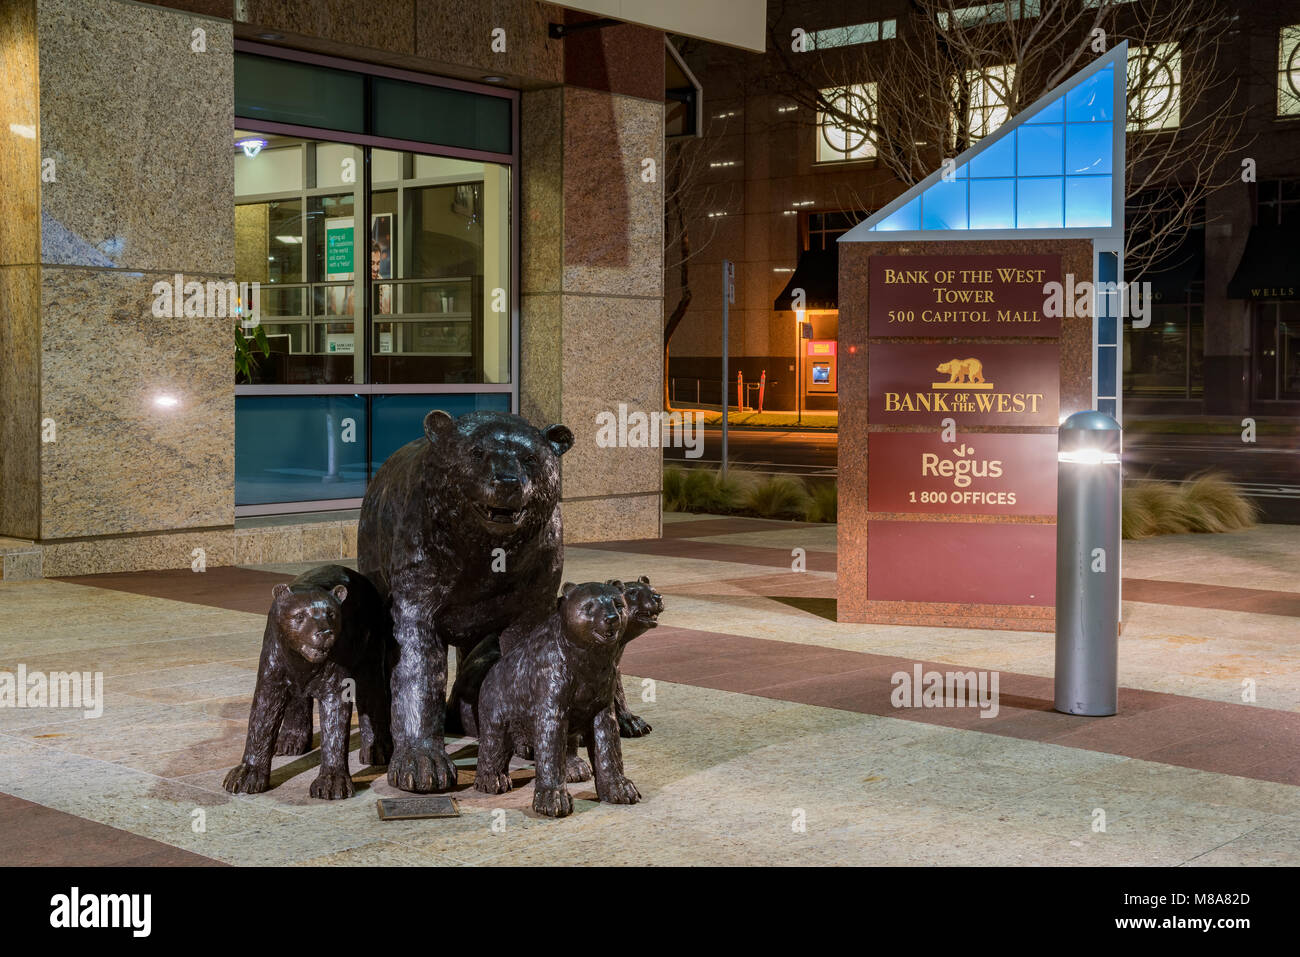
[[381, 260]]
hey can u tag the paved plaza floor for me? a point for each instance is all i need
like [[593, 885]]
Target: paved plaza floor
[[775, 740]]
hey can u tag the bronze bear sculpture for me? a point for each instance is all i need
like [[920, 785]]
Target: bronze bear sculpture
[[644, 605], [319, 643], [460, 532], [558, 682]]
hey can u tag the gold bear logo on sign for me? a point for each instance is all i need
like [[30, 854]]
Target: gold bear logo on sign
[[962, 374]]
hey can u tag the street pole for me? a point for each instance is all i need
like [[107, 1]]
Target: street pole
[[798, 365], [728, 296]]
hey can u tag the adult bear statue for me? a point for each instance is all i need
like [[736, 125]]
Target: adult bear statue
[[460, 532]]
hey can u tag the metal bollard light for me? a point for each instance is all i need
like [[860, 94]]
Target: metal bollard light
[[1087, 564]]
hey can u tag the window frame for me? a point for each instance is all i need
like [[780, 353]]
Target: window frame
[[870, 93], [364, 188], [364, 140], [1174, 120]]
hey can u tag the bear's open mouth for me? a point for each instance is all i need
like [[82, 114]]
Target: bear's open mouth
[[647, 617], [501, 516]]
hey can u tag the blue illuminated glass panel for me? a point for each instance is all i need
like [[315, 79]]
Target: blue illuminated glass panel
[[1088, 148], [1087, 201], [1040, 203], [944, 206], [992, 204], [1041, 150], [1093, 99], [1055, 170], [1054, 112], [999, 159], [1106, 370], [909, 217]]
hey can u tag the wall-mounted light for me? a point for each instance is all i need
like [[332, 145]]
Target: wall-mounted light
[[251, 146], [493, 78], [165, 401]]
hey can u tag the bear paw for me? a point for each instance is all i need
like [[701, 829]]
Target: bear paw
[[619, 790], [293, 741], [490, 783], [421, 770], [630, 726], [376, 753], [553, 802], [331, 785], [246, 779], [576, 769]]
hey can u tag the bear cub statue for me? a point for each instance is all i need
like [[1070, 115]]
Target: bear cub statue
[[318, 639], [644, 606], [556, 683]]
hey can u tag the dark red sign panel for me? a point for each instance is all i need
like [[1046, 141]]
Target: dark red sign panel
[[976, 475], [923, 384], [961, 295], [961, 563]]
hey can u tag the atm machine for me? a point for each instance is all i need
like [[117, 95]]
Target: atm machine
[[819, 376]]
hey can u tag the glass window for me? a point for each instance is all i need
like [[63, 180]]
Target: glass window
[[981, 96], [295, 238], [1165, 360], [853, 35], [435, 114], [1288, 71], [300, 448], [398, 419], [439, 255], [284, 91], [1277, 350], [1154, 87], [837, 140]]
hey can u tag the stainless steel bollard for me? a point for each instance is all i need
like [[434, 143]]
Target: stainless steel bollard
[[1087, 564]]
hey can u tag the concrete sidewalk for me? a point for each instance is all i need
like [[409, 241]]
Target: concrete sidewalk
[[775, 740]]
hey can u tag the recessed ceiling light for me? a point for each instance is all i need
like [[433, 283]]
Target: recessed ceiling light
[[494, 79], [270, 36], [251, 145]]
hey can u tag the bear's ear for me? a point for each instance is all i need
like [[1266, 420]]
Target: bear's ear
[[340, 592], [644, 579], [566, 588], [560, 437], [279, 591], [437, 424], [615, 583]]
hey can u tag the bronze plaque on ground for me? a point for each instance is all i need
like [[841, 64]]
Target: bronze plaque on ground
[[411, 808]]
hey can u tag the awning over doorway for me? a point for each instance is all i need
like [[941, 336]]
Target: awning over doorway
[[1270, 266], [818, 275], [1173, 275]]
